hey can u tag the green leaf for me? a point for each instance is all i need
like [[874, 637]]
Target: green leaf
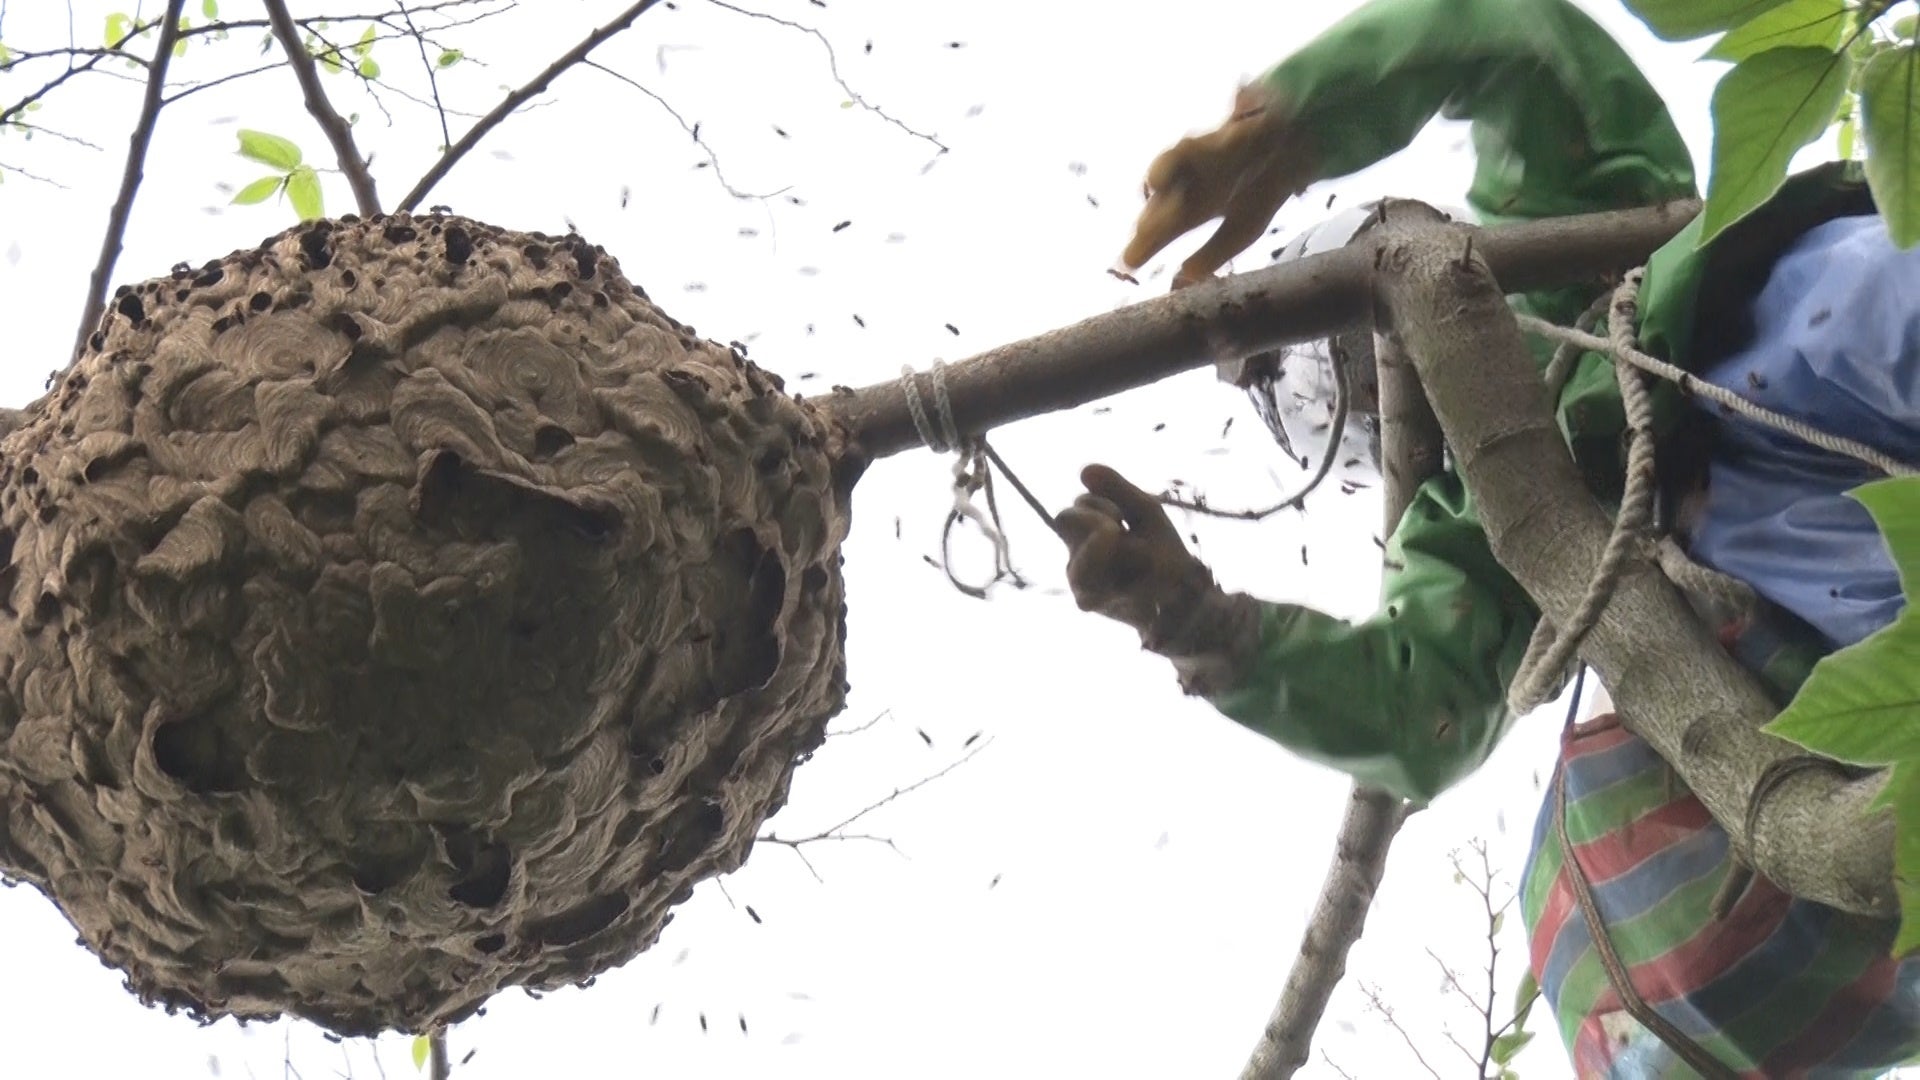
[[422, 1049], [1895, 506], [365, 45], [6, 58], [1526, 994], [118, 25], [1499, 920], [1764, 111], [180, 45], [329, 57], [369, 69], [1795, 22], [210, 8], [1904, 26], [1678, 20], [303, 191], [1903, 794], [259, 191], [269, 150], [1507, 1046], [1890, 116], [1862, 704], [449, 57]]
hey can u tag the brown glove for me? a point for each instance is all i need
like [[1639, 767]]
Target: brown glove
[[1242, 171], [1126, 561]]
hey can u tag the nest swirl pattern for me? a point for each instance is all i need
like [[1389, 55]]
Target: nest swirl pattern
[[400, 611]]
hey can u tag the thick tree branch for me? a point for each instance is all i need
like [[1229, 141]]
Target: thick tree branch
[[1811, 830], [1410, 452], [1237, 316], [337, 130], [130, 179], [517, 98]]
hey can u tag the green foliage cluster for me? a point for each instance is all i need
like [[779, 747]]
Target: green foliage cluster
[[1801, 68]]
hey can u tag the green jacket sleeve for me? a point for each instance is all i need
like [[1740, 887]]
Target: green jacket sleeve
[[1413, 699], [1563, 123]]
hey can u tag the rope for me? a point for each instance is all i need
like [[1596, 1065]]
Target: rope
[[1552, 648], [1567, 354], [1684, 1048], [970, 476], [1621, 347], [939, 440]]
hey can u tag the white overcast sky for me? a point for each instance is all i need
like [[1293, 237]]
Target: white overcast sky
[[1155, 864]]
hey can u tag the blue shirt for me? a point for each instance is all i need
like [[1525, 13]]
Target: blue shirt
[[1837, 345]]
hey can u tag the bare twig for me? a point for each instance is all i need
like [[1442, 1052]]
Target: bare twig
[[692, 130], [1379, 1005], [1410, 452], [833, 65], [858, 728], [838, 831], [517, 98], [188, 89], [1331, 1064], [122, 208], [36, 177], [433, 75], [337, 130]]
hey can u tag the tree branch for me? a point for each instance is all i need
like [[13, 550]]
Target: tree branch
[[1804, 823], [19, 107], [337, 130], [130, 180], [1237, 316], [1410, 452], [517, 98]]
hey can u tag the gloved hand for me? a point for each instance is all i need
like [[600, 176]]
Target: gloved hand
[[1242, 171], [1126, 560]]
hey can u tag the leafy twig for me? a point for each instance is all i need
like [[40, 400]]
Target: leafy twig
[[55, 83], [517, 98], [130, 180], [337, 130]]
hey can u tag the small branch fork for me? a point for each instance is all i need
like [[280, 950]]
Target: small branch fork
[[512, 102], [837, 831]]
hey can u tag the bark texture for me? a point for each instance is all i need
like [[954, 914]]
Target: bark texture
[[1411, 451], [400, 611], [1808, 825]]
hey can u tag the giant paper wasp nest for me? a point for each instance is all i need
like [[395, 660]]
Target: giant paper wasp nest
[[401, 611]]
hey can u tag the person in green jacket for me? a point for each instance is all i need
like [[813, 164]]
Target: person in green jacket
[[1412, 700]]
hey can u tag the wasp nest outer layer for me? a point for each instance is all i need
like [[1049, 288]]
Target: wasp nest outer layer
[[401, 611]]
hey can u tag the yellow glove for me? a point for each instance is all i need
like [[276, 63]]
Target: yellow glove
[[1243, 172]]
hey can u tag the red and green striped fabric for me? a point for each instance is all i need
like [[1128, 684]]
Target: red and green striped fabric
[[1780, 988]]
